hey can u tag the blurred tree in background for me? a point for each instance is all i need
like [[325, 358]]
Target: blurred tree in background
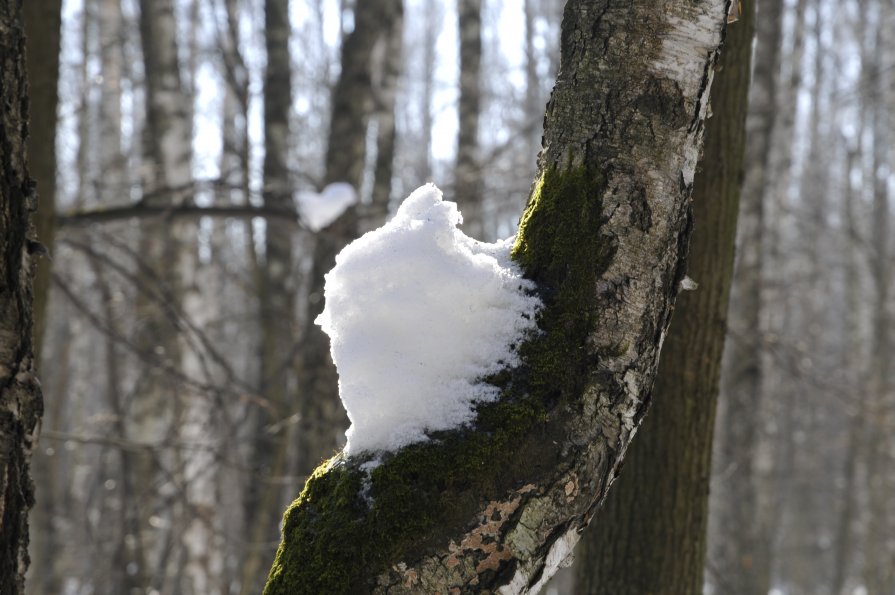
[[188, 391]]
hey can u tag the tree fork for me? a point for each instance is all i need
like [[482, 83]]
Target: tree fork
[[499, 505]]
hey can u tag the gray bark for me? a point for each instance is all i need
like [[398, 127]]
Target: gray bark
[[168, 252]]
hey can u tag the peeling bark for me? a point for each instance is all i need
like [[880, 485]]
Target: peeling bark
[[498, 506]]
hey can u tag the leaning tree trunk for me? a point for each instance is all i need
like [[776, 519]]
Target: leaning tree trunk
[[499, 504], [21, 405], [650, 536]]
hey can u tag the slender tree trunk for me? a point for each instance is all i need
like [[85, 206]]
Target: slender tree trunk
[[741, 558], [500, 504], [277, 300], [468, 173], [805, 565], [843, 541], [650, 536], [323, 418], [432, 15], [878, 572], [534, 104], [387, 66], [21, 404], [168, 250], [43, 24]]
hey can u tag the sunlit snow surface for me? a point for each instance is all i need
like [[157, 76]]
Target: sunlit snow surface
[[417, 314]]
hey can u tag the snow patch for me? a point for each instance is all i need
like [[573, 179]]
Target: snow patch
[[417, 314], [319, 209]]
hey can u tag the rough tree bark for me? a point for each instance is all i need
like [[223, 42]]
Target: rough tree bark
[[21, 405], [499, 504], [650, 536]]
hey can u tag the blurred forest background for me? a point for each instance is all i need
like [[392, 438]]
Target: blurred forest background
[[188, 393]]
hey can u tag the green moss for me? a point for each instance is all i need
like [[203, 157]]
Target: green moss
[[334, 541], [561, 247]]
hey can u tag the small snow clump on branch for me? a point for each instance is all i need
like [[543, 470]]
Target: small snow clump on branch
[[418, 313], [318, 210]]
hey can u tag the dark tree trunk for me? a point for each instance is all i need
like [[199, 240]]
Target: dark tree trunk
[[277, 299], [741, 558], [323, 418], [43, 28], [500, 504], [650, 536], [43, 21], [387, 67], [21, 405], [468, 173]]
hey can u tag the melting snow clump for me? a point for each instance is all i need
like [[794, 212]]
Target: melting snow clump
[[417, 314], [318, 210]]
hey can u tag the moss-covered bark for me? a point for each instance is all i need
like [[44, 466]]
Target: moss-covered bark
[[497, 505], [650, 535]]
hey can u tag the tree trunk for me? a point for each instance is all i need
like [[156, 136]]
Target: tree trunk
[[323, 419], [878, 572], [387, 68], [741, 559], [168, 253], [43, 22], [277, 300], [650, 536], [468, 173], [499, 504], [21, 404], [43, 27]]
